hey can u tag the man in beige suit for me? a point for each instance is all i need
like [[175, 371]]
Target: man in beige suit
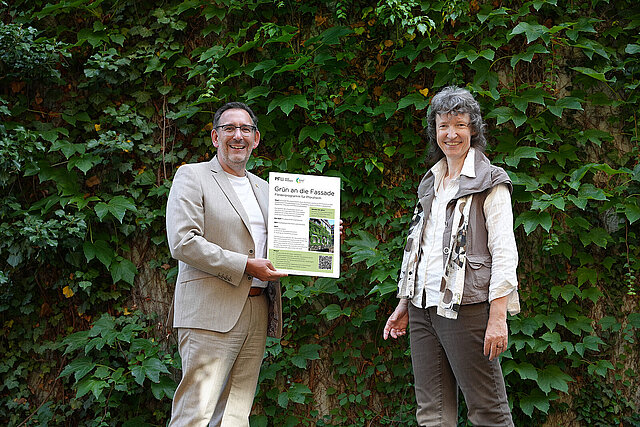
[[227, 297]]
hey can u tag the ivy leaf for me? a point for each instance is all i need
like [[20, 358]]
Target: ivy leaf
[[333, 311], [84, 162], [95, 38], [552, 377], [297, 392], [90, 385], [601, 367], [597, 235], [296, 65], [526, 371], [123, 269], [562, 104], [596, 136], [523, 153], [165, 387], [521, 102], [119, 205], [610, 322], [580, 203], [287, 103], [368, 314], [384, 288], [101, 209], [283, 399], [556, 343], [593, 293], [79, 368], [325, 285], [551, 320], [75, 341], [532, 31], [567, 292], [153, 368], [525, 180], [527, 325], [388, 109], [535, 400], [632, 211], [502, 114], [103, 326], [306, 352], [363, 248], [632, 48], [117, 38], [634, 320], [333, 35], [589, 342], [585, 273], [579, 325], [149, 368], [315, 132], [154, 64], [398, 69], [593, 74], [99, 249], [528, 55], [256, 92], [415, 99], [530, 220], [128, 332], [563, 153]]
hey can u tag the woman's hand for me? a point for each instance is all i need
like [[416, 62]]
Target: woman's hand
[[397, 323], [496, 337]]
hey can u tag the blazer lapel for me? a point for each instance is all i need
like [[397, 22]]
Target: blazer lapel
[[222, 180], [262, 195]]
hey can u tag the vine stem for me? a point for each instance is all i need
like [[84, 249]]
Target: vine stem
[[46, 399], [164, 136]]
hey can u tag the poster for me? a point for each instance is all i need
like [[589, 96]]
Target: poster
[[304, 224]]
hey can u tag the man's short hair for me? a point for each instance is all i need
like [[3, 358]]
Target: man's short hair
[[232, 106], [455, 100]]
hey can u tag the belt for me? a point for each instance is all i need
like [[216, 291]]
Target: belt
[[255, 291]]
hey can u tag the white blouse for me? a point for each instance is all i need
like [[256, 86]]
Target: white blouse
[[501, 240]]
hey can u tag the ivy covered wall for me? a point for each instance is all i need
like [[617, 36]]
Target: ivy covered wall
[[101, 101]]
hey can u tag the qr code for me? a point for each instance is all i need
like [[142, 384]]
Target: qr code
[[324, 262]]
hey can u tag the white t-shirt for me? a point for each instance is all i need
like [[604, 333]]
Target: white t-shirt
[[242, 187]]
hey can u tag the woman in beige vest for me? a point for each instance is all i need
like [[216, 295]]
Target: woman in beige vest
[[458, 277]]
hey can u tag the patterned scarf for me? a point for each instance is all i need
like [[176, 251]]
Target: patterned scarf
[[452, 285]]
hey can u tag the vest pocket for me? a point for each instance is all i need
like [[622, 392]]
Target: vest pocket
[[479, 272]]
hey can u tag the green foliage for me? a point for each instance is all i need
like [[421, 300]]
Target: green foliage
[[116, 363], [101, 101]]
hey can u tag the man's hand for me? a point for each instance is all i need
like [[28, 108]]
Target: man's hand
[[397, 323], [262, 269]]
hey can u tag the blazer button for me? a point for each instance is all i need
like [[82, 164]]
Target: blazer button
[[446, 251], [251, 251], [250, 277]]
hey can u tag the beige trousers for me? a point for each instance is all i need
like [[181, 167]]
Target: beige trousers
[[220, 370]]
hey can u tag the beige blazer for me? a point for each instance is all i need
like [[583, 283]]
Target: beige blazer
[[209, 234]]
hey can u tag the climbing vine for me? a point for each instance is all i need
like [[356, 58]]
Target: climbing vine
[[101, 101]]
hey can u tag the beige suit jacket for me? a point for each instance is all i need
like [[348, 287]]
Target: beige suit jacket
[[209, 234]]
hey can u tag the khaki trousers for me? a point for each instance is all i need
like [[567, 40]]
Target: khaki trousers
[[220, 370], [447, 354]]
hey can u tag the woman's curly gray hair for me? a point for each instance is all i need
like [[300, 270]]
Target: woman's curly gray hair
[[455, 100]]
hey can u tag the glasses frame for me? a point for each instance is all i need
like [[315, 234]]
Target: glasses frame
[[251, 127]]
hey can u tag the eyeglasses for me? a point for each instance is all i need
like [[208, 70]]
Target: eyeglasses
[[231, 129]]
